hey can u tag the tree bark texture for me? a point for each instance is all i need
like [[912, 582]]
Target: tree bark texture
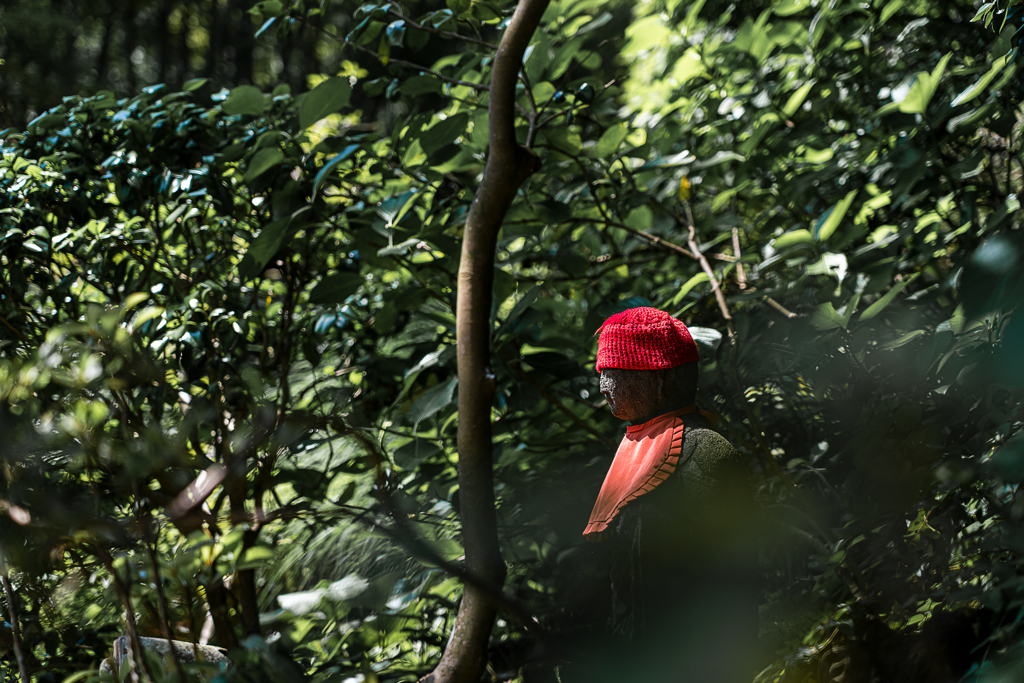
[[508, 165]]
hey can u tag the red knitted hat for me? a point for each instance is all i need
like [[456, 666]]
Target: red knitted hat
[[644, 339]]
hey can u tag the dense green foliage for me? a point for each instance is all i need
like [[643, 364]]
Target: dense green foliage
[[227, 359]]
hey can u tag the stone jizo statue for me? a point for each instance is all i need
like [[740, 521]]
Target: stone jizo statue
[[676, 515]]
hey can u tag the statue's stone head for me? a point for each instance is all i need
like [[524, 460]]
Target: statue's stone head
[[648, 364]]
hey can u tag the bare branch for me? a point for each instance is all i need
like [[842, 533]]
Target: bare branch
[[706, 267], [741, 277], [12, 611], [779, 307]]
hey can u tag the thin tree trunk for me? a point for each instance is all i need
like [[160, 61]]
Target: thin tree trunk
[[163, 16], [12, 612], [215, 46], [508, 165], [131, 41], [310, 64], [68, 76], [139, 667], [103, 59], [165, 615], [243, 42], [216, 594], [217, 599], [184, 53]]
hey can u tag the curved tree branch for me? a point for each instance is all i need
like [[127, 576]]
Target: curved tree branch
[[508, 165]]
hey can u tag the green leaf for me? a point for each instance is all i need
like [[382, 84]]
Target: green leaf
[[543, 91], [195, 84], [825, 317], [420, 85], [329, 166], [175, 215], [851, 308], [393, 208], [521, 306], [336, 288], [645, 34], [268, 8], [789, 7], [720, 157], [979, 86], [902, 340], [877, 307], [326, 98], [921, 93], [890, 9], [753, 39], [261, 250], [146, 314], [983, 11], [256, 557], [399, 248], [263, 161], [417, 40], [443, 133], [611, 139], [797, 98], [832, 218], [409, 456], [564, 139], [688, 287], [564, 57], [431, 401], [792, 238], [245, 99]]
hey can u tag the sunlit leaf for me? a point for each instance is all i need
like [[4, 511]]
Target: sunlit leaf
[[326, 98], [245, 99]]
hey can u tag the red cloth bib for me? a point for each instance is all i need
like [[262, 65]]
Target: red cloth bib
[[648, 453]]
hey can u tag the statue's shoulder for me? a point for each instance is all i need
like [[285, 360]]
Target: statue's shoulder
[[703, 444], [708, 462]]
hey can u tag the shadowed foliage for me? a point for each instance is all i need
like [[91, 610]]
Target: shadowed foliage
[[228, 369]]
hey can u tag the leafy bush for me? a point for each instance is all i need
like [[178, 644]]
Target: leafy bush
[[228, 361]]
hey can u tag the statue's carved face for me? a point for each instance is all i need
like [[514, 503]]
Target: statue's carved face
[[633, 395]]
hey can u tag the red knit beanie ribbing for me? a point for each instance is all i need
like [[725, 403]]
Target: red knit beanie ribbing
[[644, 339]]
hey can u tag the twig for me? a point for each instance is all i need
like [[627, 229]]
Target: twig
[[165, 621], [13, 329], [594, 276], [12, 609], [741, 277], [399, 62], [779, 307], [653, 239], [719, 296], [439, 32], [137, 660], [556, 403], [608, 220], [405, 536]]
